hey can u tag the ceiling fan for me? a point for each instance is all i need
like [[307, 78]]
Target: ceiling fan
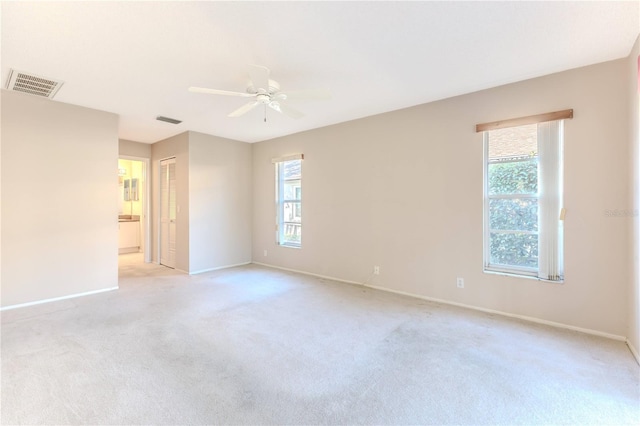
[[265, 91]]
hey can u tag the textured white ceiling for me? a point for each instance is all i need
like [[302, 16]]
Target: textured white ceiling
[[137, 59]]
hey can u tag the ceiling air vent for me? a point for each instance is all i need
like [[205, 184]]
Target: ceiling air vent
[[20, 81], [168, 120]]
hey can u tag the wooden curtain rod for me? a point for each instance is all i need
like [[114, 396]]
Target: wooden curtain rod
[[521, 121], [287, 158]]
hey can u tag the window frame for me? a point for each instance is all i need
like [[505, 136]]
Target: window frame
[[281, 202], [525, 271], [549, 198]]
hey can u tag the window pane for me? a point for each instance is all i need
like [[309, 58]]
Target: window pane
[[519, 177], [513, 249], [292, 190], [291, 212], [289, 194], [292, 169], [292, 233], [516, 214]]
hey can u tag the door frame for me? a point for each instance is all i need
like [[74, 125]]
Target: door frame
[[146, 204]]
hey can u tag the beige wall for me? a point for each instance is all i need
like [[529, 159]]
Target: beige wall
[[634, 137], [134, 149], [59, 199], [403, 190], [178, 147], [213, 176], [219, 202]]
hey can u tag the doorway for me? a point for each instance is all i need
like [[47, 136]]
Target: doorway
[[168, 212], [133, 208]]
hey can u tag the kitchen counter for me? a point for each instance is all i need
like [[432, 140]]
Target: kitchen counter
[[128, 218]]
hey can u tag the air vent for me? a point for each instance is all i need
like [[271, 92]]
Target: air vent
[[168, 120], [20, 81]]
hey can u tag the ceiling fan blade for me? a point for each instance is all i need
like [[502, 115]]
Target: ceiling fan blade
[[309, 94], [219, 92], [259, 77], [286, 110], [244, 109]]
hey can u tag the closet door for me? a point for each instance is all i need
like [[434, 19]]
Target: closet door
[[168, 212]]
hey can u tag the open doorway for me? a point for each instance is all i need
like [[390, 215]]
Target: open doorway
[[133, 209]]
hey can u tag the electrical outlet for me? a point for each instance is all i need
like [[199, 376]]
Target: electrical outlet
[[376, 270], [460, 282], [265, 253]]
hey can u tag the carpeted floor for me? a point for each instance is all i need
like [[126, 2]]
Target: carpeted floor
[[253, 345]]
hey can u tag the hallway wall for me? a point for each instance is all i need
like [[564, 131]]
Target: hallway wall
[[220, 195], [176, 146]]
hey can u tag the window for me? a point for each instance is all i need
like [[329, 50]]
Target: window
[[289, 200], [523, 214]]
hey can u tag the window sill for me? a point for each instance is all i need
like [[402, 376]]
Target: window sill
[[528, 277], [293, 246]]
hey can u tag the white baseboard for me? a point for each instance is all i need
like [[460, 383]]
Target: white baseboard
[[55, 299], [202, 271], [507, 314], [307, 273], [462, 305], [633, 351]]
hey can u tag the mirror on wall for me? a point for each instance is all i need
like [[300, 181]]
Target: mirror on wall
[[134, 189], [130, 179], [127, 190], [130, 189]]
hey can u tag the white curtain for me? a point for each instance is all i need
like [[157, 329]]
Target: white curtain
[[550, 222]]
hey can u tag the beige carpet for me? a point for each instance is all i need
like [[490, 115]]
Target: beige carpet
[[253, 345]]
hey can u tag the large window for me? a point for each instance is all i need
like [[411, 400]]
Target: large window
[[523, 213], [289, 201]]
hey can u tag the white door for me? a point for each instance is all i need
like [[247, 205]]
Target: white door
[[168, 212]]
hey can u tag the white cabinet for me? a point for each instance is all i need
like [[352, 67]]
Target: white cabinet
[[128, 236]]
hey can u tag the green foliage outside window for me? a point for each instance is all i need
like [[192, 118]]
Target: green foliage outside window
[[519, 177], [513, 248], [517, 214]]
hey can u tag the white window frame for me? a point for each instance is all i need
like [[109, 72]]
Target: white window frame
[[488, 266], [550, 207], [280, 201]]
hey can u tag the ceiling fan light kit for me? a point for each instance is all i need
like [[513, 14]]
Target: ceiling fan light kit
[[266, 92]]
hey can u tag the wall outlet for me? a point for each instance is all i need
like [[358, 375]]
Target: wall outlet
[[376, 270], [460, 282], [265, 253]]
